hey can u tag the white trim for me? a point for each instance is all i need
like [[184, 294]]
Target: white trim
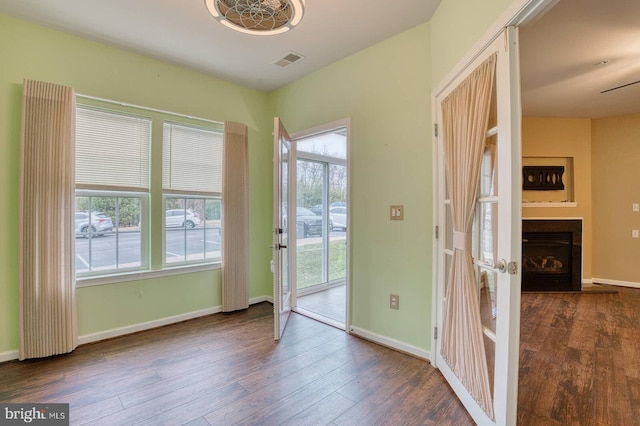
[[519, 12], [391, 343], [122, 331], [318, 130], [553, 218], [9, 356], [549, 204], [261, 299], [435, 242], [323, 128], [145, 275], [161, 111], [134, 328], [588, 281], [615, 282], [326, 320]]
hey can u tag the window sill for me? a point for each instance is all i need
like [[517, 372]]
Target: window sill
[[144, 275]]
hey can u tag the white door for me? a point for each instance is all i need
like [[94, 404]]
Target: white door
[[284, 219], [496, 239]]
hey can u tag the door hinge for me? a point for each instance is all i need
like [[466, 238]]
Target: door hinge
[[435, 130], [437, 232], [512, 268], [435, 333]]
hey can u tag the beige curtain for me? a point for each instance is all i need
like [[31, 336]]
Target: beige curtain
[[465, 119], [48, 323], [235, 219]]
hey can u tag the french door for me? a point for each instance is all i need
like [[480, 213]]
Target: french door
[[495, 243], [284, 219]]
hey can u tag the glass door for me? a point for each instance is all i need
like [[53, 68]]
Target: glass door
[[283, 219], [495, 246], [322, 225]]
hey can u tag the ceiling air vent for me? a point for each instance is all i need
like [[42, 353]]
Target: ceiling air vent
[[289, 59]]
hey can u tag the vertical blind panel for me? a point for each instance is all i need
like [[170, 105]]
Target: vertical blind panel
[[235, 232], [192, 159], [112, 149], [48, 318]]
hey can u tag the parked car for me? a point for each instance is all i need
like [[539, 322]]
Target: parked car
[[317, 209], [307, 222], [100, 223], [182, 218], [338, 216]]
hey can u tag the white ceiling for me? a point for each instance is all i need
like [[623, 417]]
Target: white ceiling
[[558, 49], [558, 53], [183, 32]]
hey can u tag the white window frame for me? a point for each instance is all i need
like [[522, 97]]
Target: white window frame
[[179, 264], [152, 257], [144, 232]]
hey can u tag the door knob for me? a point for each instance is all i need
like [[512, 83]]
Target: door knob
[[501, 265]]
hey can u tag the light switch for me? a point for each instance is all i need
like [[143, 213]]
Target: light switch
[[636, 207], [634, 234], [396, 213]]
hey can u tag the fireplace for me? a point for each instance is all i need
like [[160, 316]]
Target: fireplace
[[551, 255]]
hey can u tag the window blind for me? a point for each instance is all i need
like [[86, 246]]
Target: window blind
[[112, 150], [192, 160]]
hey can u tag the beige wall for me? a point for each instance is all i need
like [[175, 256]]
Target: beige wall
[[616, 186], [566, 138]]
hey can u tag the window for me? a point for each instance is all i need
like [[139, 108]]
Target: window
[[112, 190], [192, 187], [115, 192], [108, 233]]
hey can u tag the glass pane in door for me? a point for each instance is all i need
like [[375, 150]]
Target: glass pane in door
[[310, 223], [337, 222], [285, 233]]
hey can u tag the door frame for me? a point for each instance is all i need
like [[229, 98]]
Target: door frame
[[519, 13], [314, 131]]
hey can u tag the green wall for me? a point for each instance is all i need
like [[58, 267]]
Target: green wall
[[34, 52], [384, 90], [455, 27]]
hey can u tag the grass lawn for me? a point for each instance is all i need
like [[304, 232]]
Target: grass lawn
[[310, 263]]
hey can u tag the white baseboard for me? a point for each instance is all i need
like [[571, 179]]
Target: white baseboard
[[392, 343], [9, 356], [134, 328], [261, 299], [615, 282]]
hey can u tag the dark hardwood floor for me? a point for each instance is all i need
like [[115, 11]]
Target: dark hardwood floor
[[579, 365], [226, 369], [580, 359]]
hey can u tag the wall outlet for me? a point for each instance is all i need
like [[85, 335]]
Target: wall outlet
[[635, 207], [394, 301], [635, 234]]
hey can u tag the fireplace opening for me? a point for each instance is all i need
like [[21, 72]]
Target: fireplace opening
[[551, 255]]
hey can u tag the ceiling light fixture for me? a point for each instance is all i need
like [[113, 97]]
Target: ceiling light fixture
[[257, 17]]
